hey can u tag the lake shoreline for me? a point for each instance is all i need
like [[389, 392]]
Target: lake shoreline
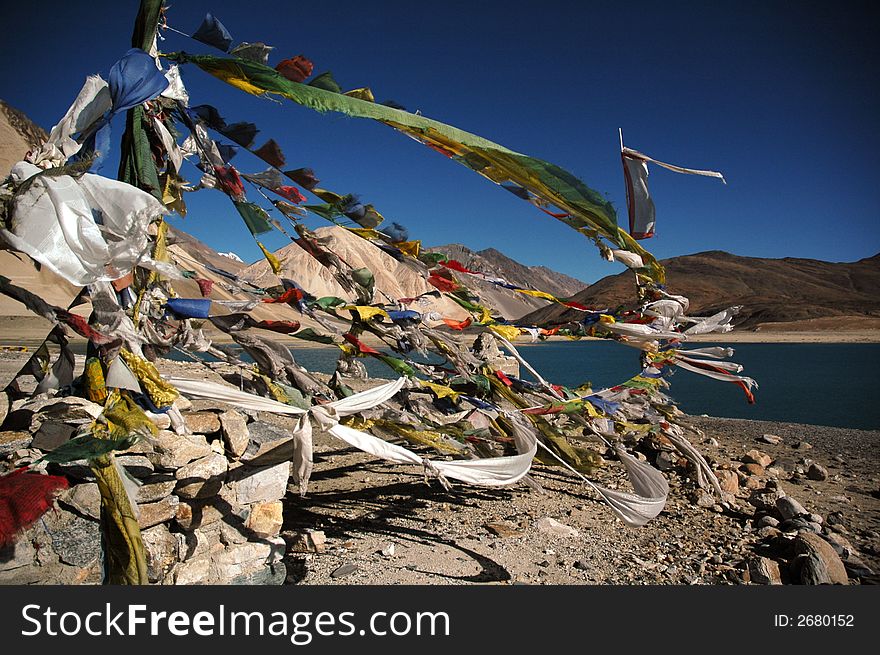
[[30, 331]]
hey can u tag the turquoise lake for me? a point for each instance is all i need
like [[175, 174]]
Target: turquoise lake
[[820, 384]]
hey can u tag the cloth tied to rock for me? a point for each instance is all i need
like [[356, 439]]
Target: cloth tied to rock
[[491, 471]]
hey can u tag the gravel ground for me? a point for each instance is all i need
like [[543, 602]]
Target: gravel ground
[[364, 506], [385, 524]]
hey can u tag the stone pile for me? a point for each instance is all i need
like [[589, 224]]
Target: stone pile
[[209, 500], [799, 546]]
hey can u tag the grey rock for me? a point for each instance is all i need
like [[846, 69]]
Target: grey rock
[[235, 431], [703, 498], [266, 575], [344, 570], [76, 540], [772, 439], [767, 520], [769, 532], [765, 500], [665, 460], [803, 445], [201, 478], [551, 526], [817, 472], [203, 542], [268, 445], [789, 508], [250, 485], [241, 557], [51, 435], [84, 498], [199, 570]]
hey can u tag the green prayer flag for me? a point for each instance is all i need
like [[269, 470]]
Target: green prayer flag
[[255, 217]]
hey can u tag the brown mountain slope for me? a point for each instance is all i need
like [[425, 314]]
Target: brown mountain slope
[[770, 290], [495, 263], [392, 277], [18, 134]]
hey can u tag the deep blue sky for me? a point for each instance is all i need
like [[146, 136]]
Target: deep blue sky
[[780, 97]]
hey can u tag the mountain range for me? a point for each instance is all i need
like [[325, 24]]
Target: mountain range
[[800, 294], [787, 293]]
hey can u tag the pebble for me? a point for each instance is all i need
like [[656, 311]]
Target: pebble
[[344, 570], [503, 529], [803, 445], [387, 550], [703, 499], [553, 527], [772, 439]]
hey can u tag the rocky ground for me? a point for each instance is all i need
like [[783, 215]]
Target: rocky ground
[[801, 505], [384, 525]]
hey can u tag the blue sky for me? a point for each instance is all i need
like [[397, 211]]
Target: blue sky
[[780, 97]]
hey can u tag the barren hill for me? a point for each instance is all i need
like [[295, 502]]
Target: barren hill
[[802, 292], [493, 262]]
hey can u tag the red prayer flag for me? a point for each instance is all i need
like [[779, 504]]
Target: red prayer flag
[[25, 497], [296, 69]]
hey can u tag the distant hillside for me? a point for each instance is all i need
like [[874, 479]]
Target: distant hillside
[[771, 291], [493, 262], [18, 134]]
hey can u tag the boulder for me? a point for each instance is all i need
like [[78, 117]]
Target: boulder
[[193, 514], [84, 498], [817, 472], [138, 466], [817, 562], [156, 487]]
